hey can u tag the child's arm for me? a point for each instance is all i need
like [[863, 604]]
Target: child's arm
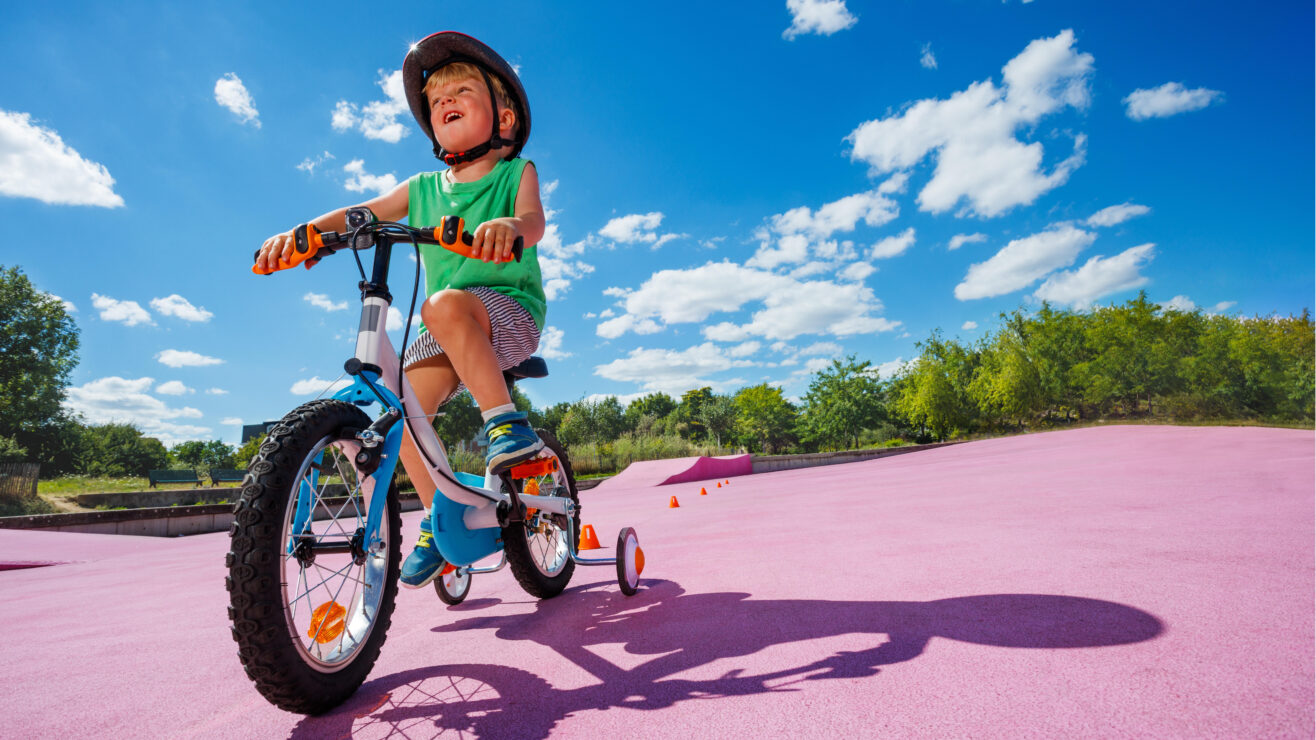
[[495, 237], [388, 207]]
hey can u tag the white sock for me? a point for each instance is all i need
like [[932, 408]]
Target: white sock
[[506, 408], [427, 511]]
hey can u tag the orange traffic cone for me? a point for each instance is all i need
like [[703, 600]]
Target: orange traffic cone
[[703, 491], [673, 504], [728, 481], [719, 484], [588, 540]]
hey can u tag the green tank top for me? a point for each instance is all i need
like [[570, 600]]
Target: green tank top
[[430, 198]]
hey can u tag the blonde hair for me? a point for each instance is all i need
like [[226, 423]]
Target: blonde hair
[[465, 70]]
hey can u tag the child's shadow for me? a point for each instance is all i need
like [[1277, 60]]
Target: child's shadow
[[688, 631]]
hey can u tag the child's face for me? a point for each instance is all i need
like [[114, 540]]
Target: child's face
[[460, 113]]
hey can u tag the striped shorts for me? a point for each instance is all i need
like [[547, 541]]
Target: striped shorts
[[514, 334]]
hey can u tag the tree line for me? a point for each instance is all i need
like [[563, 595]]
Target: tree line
[[1041, 369]]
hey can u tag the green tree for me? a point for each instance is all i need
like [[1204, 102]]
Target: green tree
[[551, 419], [202, 456], [718, 417], [459, 420], [764, 418], [39, 344], [933, 391], [689, 410], [248, 450], [121, 450], [592, 421], [1006, 384], [656, 405], [844, 399]]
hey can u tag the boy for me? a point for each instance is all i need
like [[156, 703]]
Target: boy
[[480, 316]]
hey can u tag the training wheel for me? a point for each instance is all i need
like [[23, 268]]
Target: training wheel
[[453, 584], [630, 561]]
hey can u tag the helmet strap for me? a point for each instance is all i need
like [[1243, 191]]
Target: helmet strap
[[495, 141]]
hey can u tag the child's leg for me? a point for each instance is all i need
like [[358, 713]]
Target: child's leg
[[460, 323], [432, 380]]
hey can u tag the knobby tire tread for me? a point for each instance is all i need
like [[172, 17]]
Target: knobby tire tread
[[256, 602]]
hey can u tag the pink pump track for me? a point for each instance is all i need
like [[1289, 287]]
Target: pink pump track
[[1106, 582]]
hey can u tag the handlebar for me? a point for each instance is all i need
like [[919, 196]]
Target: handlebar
[[313, 244]]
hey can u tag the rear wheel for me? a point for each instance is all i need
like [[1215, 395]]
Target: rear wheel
[[539, 550], [310, 599]]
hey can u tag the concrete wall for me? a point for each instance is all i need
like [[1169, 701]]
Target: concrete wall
[[170, 521], [173, 497], [769, 463]]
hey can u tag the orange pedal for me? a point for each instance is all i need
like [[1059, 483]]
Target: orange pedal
[[535, 468]]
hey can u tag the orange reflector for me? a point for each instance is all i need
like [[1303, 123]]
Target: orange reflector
[[449, 568], [588, 540], [535, 468], [531, 487], [327, 622], [639, 561]]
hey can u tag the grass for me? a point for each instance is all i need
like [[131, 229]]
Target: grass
[[72, 485]]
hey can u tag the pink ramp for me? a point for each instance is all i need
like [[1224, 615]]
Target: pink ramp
[[1110, 582], [679, 470]]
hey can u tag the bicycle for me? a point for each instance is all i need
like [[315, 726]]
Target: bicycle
[[313, 565]]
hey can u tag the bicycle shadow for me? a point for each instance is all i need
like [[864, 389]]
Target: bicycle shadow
[[687, 631]]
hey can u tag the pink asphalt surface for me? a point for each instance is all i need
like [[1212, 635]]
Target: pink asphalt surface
[[1108, 582]]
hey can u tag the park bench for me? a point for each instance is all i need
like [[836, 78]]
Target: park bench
[[172, 476], [226, 475]]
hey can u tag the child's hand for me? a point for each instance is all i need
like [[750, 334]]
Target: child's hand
[[279, 247], [493, 240]]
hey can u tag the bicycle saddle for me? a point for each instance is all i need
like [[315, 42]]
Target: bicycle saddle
[[531, 367]]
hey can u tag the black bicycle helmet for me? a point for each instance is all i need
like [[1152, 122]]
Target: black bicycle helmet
[[443, 48]]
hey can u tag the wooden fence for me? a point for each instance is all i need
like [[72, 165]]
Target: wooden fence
[[18, 481]]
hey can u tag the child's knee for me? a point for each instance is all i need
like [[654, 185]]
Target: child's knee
[[444, 306]]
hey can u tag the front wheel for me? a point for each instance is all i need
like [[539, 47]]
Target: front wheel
[[310, 597], [539, 550]]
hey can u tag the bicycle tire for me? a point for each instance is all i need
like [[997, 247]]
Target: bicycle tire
[[528, 568], [264, 622]]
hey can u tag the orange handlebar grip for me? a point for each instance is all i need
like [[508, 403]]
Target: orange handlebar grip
[[308, 243]]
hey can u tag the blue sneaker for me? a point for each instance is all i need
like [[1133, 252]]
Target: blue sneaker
[[511, 440], [424, 563]]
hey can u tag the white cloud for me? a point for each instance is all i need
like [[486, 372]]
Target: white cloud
[[672, 371], [216, 392], [377, 119], [308, 165], [972, 134], [1117, 214], [36, 163], [1099, 276], [960, 240], [811, 308], [314, 385], [823, 17], [893, 246], [231, 421], [550, 344], [179, 307], [744, 349], [320, 300], [636, 227], [68, 305], [173, 388], [1223, 306], [1023, 261], [830, 349], [180, 358], [855, 271], [558, 265], [613, 328], [130, 313], [927, 58], [1167, 100], [232, 94], [969, 325], [362, 181], [801, 231], [120, 400], [888, 370], [393, 320], [1179, 303]]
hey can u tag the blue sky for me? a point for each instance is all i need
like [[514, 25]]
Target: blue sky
[[738, 192]]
